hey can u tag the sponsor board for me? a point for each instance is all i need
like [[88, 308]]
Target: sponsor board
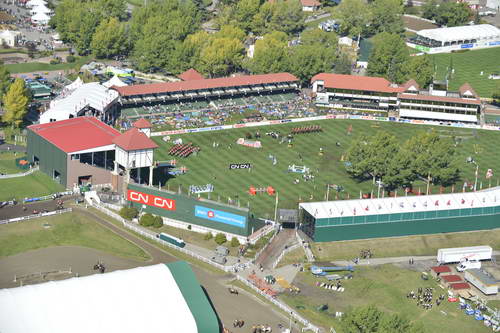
[[235, 166], [466, 46], [150, 200], [496, 43], [220, 216]]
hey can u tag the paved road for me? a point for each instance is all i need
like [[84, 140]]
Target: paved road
[[11, 147]]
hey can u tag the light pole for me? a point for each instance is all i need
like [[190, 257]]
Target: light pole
[[290, 325], [471, 160]]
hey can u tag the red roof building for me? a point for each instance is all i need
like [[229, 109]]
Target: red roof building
[[133, 139], [142, 123], [205, 84], [76, 134], [310, 3], [441, 269], [451, 278], [353, 82], [460, 286], [190, 75]]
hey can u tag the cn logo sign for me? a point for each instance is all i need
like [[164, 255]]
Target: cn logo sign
[[151, 200]]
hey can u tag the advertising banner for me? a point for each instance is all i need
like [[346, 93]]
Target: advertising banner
[[150, 200], [220, 216]]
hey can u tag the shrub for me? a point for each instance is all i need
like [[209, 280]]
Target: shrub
[[235, 242], [220, 238], [189, 226], [208, 236], [70, 58], [158, 221], [147, 220], [128, 213], [55, 61]]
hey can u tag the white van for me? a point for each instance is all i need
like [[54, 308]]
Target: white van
[[468, 264]]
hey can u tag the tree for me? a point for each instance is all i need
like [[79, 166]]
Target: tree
[[389, 57], [147, 220], [112, 8], [420, 69], [157, 221], [109, 39], [354, 16], [208, 236], [363, 319], [244, 12], [387, 16], [343, 64], [4, 79], [222, 56], [220, 238], [285, 16], [235, 242], [430, 9], [128, 212], [15, 103], [453, 14], [270, 55]]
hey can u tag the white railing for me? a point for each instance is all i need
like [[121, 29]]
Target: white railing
[[152, 235], [281, 305], [22, 174], [285, 251], [33, 216]]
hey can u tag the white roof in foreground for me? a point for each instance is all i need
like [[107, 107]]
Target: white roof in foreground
[[91, 94], [466, 32], [145, 299], [410, 204]]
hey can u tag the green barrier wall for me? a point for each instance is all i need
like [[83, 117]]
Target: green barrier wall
[[185, 211], [404, 228]]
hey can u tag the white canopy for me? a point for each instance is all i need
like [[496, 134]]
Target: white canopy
[[114, 81], [33, 3], [468, 32], [403, 204], [91, 94], [144, 299], [40, 18], [40, 9], [73, 85]]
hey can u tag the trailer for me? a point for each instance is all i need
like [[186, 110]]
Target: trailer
[[458, 254], [171, 239], [482, 280]]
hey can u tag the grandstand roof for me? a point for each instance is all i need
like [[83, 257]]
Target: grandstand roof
[[76, 134], [466, 32], [422, 97], [403, 204], [353, 82], [91, 94], [133, 139], [223, 82], [190, 75], [158, 298]]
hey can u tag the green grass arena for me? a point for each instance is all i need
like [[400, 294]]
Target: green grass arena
[[211, 165]]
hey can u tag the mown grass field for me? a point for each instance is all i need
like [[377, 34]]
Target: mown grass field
[[36, 184], [386, 287], [425, 245], [211, 165], [45, 67], [8, 163], [66, 229], [468, 67]]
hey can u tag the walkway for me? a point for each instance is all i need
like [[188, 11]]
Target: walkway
[[284, 238]]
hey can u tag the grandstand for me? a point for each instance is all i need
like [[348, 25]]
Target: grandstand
[[163, 98]]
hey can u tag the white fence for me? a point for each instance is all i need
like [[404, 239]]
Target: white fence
[[265, 246], [22, 174], [282, 306], [33, 216], [288, 249], [307, 249]]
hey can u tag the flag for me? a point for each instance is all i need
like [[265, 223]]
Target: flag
[[436, 203], [463, 201], [449, 202]]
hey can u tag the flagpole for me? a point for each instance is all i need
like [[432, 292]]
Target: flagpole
[[276, 209], [327, 191]]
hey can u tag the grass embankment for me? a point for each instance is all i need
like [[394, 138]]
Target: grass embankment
[[426, 245], [68, 229], [468, 68], [386, 287], [34, 185], [211, 165], [29, 67], [293, 257], [8, 162]]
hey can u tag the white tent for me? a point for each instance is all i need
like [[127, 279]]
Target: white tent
[[74, 85], [34, 3], [40, 18], [40, 9], [114, 81]]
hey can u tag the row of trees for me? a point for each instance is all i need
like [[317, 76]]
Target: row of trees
[[450, 13], [359, 18], [426, 157], [369, 319], [390, 58]]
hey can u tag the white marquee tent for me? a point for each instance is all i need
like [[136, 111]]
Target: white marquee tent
[[462, 33], [92, 95], [40, 9], [146, 299], [40, 18], [114, 81], [34, 3]]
